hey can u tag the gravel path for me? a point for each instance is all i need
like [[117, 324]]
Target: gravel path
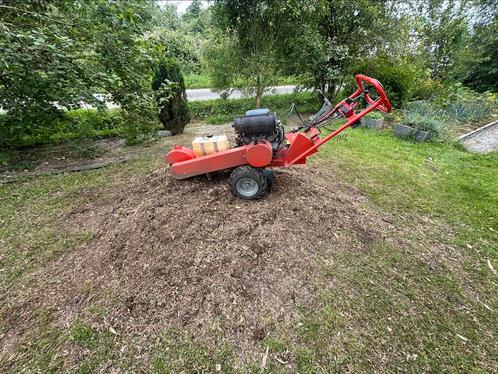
[[482, 140]]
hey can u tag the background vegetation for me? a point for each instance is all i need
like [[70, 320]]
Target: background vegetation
[[60, 57]]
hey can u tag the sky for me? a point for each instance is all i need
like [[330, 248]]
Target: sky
[[181, 5]]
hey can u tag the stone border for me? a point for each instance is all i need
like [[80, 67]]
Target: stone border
[[477, 131]]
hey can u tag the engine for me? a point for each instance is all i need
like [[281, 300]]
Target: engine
[[258, 124]]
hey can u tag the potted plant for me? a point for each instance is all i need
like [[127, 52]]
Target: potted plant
[[418, 127], [373, 120]]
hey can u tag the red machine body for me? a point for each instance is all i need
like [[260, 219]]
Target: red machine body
[[299, 144]]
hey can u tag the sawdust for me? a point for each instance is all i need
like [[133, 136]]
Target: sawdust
[[188, 255]]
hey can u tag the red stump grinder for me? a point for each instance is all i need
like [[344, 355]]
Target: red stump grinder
[[262, 143]]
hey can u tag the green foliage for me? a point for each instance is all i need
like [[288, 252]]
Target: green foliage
[[320, 41], [65, 52], [242, 53], [423, 122], [399, 77], [197, 81], [193, 11], [443, 25], [171, 97], [220, 110], [455, 106], [477, 66], [79, 124], [374, 115]]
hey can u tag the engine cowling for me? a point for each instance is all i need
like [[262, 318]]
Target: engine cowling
[[257, 124]]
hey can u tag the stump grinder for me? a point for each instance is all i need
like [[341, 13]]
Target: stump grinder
[[262, 143]]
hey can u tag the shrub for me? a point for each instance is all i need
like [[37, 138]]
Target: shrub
[[457, 104], [400, 78], [427, 89], [171, 97], [462, 104], [306, 102], [374, 115], [422, 122], [72, 124]]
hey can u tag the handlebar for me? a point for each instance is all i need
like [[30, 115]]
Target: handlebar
[[385, 105]]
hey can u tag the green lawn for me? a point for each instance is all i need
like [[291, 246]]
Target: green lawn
[[443, 181], [419, 300]]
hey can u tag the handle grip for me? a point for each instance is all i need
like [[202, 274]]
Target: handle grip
[[385, 105]]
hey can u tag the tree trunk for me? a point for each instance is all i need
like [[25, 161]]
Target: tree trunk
[[258, 100], [259, 91]]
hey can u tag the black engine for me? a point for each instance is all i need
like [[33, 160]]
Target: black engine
[[258, 124]]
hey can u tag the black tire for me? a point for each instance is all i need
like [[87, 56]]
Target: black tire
[[248, 183], [269, 178]]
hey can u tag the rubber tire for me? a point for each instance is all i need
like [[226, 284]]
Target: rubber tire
[[270, 177], [256, 175]]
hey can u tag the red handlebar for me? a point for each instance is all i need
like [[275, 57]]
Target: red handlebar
[[385, 105]]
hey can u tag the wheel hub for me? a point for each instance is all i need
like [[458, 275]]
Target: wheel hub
[[247, 187]]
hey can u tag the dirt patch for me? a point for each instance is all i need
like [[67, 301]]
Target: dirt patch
[[186, 254], [79, 153]]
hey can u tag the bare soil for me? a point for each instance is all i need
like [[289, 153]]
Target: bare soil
[[187, 255], [82, 154]]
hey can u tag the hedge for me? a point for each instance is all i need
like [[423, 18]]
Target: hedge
[[91, 123], [306, 102]]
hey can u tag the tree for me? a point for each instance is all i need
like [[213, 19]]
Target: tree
[[321, 40], [59, 54], [171, 97], [442, 27], [193, 11], [476, 64], [246, 28]]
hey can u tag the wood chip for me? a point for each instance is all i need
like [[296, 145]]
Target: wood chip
[[263, 361], [462, 337], [490, 266]]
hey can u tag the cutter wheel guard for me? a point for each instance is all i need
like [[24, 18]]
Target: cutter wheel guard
[[262, 143]]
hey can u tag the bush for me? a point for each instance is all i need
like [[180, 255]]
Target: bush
[[171, 97], [306, 102], [374, 115], [457, 104], [400, 78], [422, 122], [454, 106], [462, 104], [72, 124], [427, 89]]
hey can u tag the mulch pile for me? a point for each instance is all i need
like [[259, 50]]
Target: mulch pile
[[188, 255]]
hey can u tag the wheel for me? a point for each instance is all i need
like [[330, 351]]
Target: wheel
[[248, 183], [269, 178]]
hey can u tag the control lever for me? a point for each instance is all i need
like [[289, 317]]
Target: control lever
[[327, 101]]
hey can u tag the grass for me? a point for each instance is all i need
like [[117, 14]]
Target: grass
[[419, 301], [193, 81], [440, 180], [180, 352], [381, 316]]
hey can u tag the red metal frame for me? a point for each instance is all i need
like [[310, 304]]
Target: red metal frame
[[300, 144]]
